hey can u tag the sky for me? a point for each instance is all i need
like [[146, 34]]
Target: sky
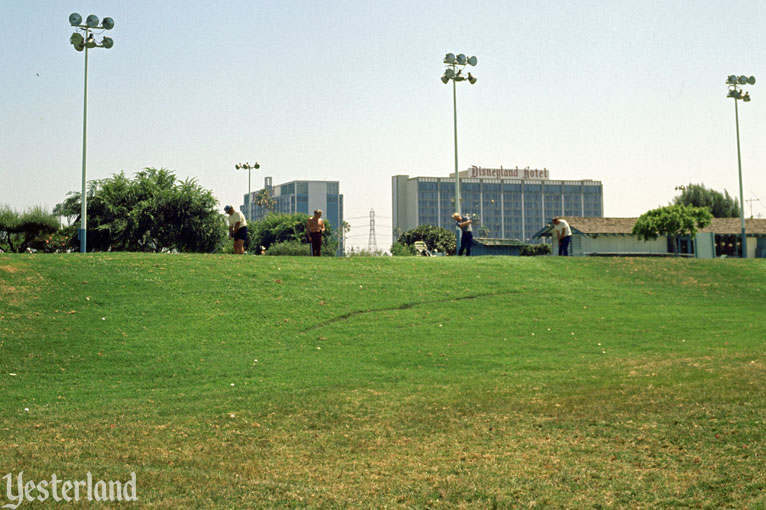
[[631, 93]]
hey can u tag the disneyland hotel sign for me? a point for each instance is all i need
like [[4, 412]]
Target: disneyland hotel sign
[[514, 173]]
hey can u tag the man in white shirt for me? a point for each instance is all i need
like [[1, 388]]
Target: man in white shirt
[[563, 234], [237, 229]]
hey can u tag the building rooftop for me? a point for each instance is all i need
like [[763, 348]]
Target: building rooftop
[[624, 226]]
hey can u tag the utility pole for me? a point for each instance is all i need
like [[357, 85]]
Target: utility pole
[[372, 245]]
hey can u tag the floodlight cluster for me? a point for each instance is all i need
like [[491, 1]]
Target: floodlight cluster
[[455, 64], [87, 39], [247, 166], [735, 82]]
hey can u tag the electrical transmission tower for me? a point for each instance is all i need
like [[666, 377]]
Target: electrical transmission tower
[[372, 245]]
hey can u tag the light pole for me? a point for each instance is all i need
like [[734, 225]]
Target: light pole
[[735, 92], [454, 72], [248, 167], [85, 41]]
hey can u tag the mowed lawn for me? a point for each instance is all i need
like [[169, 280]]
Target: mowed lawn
[[490, 382]]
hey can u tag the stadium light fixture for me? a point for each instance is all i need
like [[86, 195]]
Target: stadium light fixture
[[735, 92], [248, 167], [81, 40], [454, 72]]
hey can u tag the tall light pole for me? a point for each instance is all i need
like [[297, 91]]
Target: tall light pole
[[735, 92], [454, 72], [85, 41], [248, 167]]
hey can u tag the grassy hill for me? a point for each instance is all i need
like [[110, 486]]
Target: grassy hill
[[269, 382]]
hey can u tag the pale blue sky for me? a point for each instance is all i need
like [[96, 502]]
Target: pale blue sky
[[630, 93]]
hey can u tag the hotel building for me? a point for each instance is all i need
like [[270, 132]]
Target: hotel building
[[512, 203]]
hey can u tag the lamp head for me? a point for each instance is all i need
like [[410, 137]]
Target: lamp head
[[751, 80], [92, 21], [471, 78], [257, 165], [91, 41], [461, 59], [746, 97], [107, 23], [732, 80], [107, 42], [449, 58], [77, 40], [473, 61], [445, 79], [75, 19], [742, 80]]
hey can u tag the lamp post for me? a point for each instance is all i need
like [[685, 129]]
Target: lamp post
[[735, 91], [454, 72], [248, 167], [84, 39]]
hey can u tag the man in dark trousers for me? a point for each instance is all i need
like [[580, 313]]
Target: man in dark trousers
[[466, 240], [563, 234], [314, 231]]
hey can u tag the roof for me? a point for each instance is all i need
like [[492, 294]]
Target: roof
[[624, 226]]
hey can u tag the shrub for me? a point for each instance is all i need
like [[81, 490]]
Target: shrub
[[436, 238], [533, 250], [403, 250]]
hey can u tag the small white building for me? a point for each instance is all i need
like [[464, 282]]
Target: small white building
[[613, 236]]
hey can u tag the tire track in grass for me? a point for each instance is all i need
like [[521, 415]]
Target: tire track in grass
[[405, 306]]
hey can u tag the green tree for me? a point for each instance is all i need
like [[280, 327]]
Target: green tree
[[672, 221], [284, 228], [30, 229], [720, 205], [152, 212], [264, 200], [436, 238]]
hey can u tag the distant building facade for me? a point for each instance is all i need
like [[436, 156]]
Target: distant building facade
[[299, 197], [511, 203]]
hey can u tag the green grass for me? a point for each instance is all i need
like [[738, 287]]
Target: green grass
[[387, 383]]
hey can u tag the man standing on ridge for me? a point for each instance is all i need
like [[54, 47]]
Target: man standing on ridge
[[563, 234], [314, 231], [237, 229], [466, 240]]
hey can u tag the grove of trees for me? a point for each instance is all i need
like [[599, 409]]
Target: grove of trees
[[720, 205], [31, 229], [154, 211]]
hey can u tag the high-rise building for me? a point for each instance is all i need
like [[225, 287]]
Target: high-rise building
[[298, 197], [509, 203]]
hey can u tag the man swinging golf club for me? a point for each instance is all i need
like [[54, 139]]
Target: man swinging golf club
[[237, 229]]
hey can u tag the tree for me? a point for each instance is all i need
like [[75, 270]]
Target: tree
[[264, 200], [672, 221], [436, 238], [287, 228], [720, 205], [19, 231], [153, 212]]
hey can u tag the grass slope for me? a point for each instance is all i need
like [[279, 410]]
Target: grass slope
[[268, 382]]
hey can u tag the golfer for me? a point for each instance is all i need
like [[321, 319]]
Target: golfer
[[314, 231], [237, 229], [563, 234], [466, 240]]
